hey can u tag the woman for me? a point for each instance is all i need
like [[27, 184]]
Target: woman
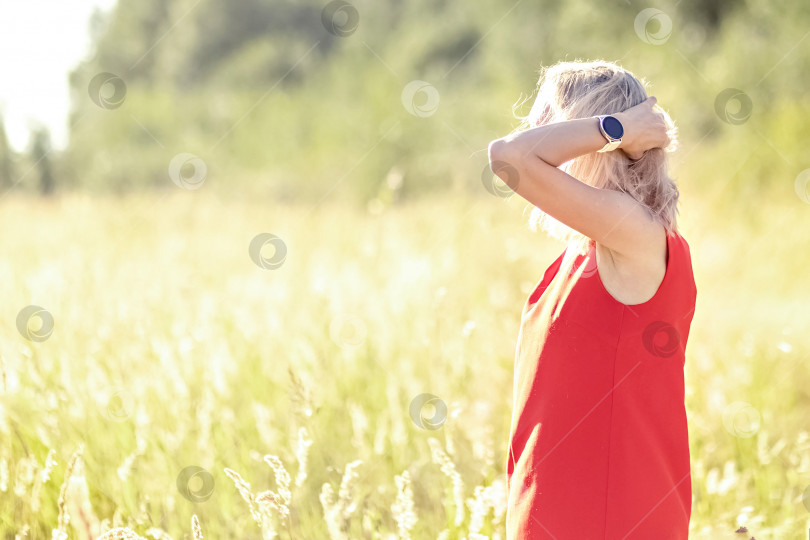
[[598, 444]]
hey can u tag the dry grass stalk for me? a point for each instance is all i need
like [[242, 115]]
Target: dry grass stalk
[[300, 395], [441, 458], [345, 499], [3, 475], [42, 478], [331, 512], [60, 533], [260, 512], [244, 490], [301, 454], [479, 507], [84, 521], [281, 499], [121, 533], [196, 530], [269, 499], [403, 507], [338, 510]]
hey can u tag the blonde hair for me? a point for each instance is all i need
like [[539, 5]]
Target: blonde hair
[[582, 89]]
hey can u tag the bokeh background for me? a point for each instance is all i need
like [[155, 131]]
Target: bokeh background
[[261, 276]]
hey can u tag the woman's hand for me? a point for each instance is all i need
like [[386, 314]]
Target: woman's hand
[[644, 128]]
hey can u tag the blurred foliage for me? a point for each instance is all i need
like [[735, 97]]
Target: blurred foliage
[[275, 104], [40, 155], [6, 159]]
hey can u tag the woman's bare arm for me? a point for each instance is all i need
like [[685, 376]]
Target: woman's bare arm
[[609, 217]]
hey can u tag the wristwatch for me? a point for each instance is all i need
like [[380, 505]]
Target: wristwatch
[[612, 130]]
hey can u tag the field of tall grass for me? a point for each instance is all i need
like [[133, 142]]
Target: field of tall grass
[[354, 381]]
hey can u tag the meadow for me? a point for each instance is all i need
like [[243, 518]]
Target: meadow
[[356, 382]]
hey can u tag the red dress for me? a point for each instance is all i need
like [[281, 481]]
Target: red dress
[[598, 446]]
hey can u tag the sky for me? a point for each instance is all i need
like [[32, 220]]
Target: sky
[[40, 41]]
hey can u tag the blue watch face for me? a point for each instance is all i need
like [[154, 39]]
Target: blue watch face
[[613, 127]]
